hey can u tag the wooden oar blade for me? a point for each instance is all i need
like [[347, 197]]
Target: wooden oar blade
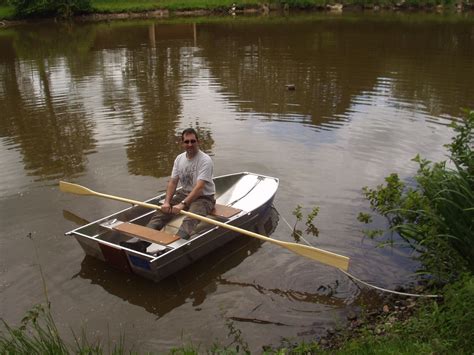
[[323, 256], [74, 188]]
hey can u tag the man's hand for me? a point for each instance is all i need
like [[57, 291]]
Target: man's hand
[[177, 208], [166, 207]]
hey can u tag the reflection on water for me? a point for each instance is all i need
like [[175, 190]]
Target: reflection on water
[[103, 104], [194, 282], [66, 90], [201, 279]]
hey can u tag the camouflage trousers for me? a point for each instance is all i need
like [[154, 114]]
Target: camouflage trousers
[[203, 206]]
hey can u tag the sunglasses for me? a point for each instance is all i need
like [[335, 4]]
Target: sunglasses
[[192, 141]]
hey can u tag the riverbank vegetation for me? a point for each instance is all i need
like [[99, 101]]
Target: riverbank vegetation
[[22, 9], [434, 215], [437, 327]]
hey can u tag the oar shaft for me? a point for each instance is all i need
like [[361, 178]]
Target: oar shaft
[[127, 200], [186, 213], [323, 256], [252, 234], [189, 214]]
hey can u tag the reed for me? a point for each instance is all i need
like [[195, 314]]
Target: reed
[[38, 334]]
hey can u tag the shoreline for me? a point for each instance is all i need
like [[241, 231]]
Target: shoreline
[[378, 319], [262, 9]]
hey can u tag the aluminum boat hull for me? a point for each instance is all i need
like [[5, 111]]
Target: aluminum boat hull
[[251, 194]]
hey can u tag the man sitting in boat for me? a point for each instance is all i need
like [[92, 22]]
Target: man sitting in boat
[[193, 170]]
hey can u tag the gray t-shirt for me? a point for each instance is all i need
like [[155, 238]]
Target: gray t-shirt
[[189, 171]]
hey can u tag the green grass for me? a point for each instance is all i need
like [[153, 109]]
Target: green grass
[[438, 328], [120, 6], [174, 5], [6, 12], [442, 327], [38, 334]]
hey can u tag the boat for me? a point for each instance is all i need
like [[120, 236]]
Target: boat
[[241, 200]]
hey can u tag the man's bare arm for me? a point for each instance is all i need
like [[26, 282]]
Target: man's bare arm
[[196, 192], [193, 195], [170, 190]]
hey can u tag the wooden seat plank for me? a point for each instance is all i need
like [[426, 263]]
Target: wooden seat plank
[[224, 211], [145, 233]]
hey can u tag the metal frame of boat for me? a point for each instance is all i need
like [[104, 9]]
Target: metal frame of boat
[[247, 195]]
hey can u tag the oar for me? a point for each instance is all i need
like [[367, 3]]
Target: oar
[[75, 218], [323, 256]]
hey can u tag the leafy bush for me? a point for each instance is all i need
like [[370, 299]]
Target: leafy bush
[[436, 217], [42, 8]]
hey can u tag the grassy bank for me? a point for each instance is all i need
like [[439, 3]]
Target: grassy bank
[[437, 327], [240, 5], [108, 6], [7, 11]]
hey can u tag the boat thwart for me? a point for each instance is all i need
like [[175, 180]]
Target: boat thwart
[[241, 199]]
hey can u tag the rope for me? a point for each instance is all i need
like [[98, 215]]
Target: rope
[[352, 277], [389, 291]]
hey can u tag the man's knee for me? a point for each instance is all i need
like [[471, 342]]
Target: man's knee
[[187, 227], [154, 225], [183, 235], [202, 207], [156, 221]]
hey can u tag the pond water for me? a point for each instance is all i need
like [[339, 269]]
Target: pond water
[[103, 104]]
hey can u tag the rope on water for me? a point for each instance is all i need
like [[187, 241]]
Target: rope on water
[[389, 291], [352, 277]]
